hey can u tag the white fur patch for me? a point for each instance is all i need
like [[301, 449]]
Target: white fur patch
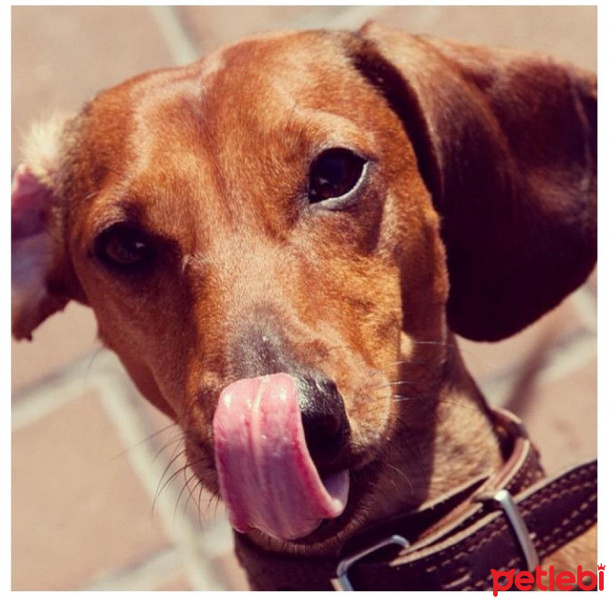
[[41, 147]]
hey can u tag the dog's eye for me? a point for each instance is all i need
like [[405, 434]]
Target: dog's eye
[[334, 173], [123, 246]]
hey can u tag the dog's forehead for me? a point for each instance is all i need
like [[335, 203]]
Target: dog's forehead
[[265, 72], [222, 121], [177, 112], [252, 86]]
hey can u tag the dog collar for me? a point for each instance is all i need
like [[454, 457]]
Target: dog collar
[[512, 519]]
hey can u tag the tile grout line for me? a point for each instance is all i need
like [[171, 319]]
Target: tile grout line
[[149, 574], [563, 360], [584, 302], [42, 402], [152, 571], [44, 397], [178, 41], [76, 367], [350, 18]]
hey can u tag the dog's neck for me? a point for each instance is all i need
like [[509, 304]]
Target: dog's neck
[[444, 439], [447, 436]]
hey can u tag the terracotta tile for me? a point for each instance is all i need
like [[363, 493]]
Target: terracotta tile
[[179, 582], [79, 512], [62, 55], [569, 32], [592, 282], [162, 428], [487, 360], [60, 340], [562, 418]]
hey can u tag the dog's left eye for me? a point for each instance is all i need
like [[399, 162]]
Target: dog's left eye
[[334, 174], [123, 247]]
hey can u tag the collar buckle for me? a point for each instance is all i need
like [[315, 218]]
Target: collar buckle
[[504, 500], [341, 583]]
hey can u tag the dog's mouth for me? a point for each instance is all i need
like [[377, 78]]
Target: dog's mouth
[[267, 477]]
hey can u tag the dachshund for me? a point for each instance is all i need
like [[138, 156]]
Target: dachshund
[[281, 241]]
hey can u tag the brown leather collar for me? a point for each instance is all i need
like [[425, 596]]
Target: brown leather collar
[[456, 540]]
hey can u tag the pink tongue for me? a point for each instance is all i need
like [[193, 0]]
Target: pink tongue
[[267, 477]]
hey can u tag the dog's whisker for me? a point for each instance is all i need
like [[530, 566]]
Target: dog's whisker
[[435, 343], [161, 487], [398, 362], [400, 398], [93, 356], [174, 440], [216, 505], [189, 497], [215, 499], [389, 384], [443, 429], [147, 439], [199, 505], [404, 477], [182, 472], [178, 450], [209, 504], [192, 490], [414, 449], [172, 460], [413, 386]]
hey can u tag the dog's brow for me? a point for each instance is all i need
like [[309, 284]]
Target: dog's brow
[[118, 210], [339, 130]]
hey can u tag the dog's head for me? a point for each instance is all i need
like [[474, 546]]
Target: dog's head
[[276, 240]]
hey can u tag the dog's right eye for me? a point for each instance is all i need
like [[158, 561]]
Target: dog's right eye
[[123, 247]]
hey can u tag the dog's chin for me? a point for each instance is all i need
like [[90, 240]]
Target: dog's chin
[[327, 536], [331, 534]]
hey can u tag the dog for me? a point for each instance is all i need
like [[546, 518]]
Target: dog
[[281, 241]]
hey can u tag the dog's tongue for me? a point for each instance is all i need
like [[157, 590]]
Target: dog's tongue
[[267, 477]]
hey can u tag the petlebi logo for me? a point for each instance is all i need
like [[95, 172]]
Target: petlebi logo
[[561, 580]]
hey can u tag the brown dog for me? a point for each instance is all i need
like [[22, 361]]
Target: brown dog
[[279, 241]]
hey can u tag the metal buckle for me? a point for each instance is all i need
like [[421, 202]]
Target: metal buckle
[[342, 583], [505, 501]]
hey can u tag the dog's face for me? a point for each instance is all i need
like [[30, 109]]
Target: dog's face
[[241, 224], [260, 213]]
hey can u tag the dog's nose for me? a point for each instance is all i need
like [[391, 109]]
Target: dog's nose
[[324, 418]]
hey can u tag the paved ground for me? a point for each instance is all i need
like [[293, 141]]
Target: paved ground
[[85, 470]]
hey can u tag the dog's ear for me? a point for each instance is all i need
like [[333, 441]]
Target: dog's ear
[[506, 144], [36, 263]]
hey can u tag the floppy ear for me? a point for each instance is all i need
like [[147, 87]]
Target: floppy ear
[[506, 144], [36, 264]]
